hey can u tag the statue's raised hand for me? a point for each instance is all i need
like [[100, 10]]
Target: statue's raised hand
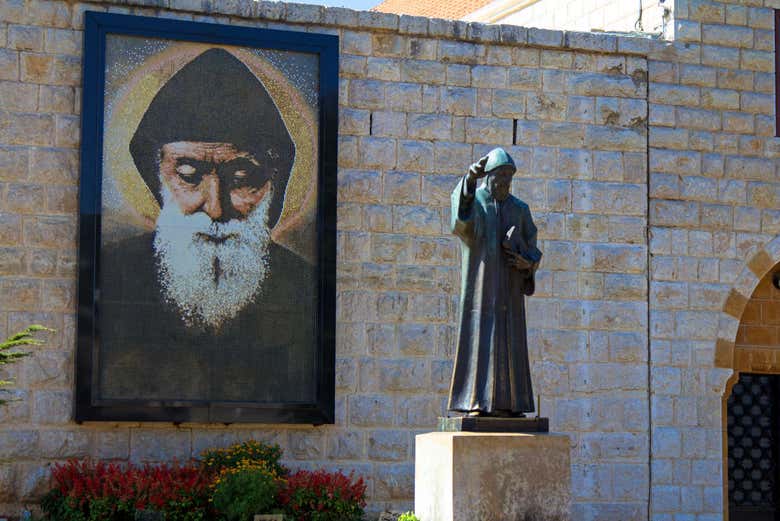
[[477, 170]]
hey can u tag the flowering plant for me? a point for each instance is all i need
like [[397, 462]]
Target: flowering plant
[[323, 496], [229, 485], [86, 491], [215, 460], [246, 489]]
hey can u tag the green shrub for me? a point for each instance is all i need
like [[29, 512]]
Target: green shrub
[[58, 507], [215, 460], [244, 490], [408, 516]]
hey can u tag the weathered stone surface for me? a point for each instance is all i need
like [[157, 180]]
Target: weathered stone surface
[[488, 131], [590, 84], [367, 94], [545, 37], [429, 126], [463, 475], [7, 483], [33, 481], [18, 444], [377, 152], [371, 410], [361, 186], [65, 444], [419, 101], [112, 444]]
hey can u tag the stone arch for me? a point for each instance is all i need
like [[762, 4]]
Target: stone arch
[[760, 264], [757, 267]]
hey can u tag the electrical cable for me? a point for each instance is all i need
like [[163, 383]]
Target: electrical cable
[[638, 24]]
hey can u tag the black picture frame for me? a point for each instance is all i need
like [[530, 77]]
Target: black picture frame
[[87, 407]]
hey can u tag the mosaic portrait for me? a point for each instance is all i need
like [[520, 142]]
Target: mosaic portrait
[[213, 227]]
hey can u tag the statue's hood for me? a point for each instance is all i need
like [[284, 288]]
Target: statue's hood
[[498, 158]]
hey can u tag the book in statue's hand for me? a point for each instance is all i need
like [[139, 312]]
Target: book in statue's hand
[[515, 242]]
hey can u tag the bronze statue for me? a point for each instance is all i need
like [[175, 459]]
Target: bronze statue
[[492, 376]]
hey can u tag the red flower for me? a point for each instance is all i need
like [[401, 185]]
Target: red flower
[[323, 495], [127, 486]]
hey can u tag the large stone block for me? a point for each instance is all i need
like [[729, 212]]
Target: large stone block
[[54, 166], [18, 97], [459, 101], [345, 445], [465, 476], [369, 410], [423, 71], [9, 64], [7, 483], [360, 186], [160, 445], [405, 375], [489, 131], [367, 94], [593, 84], [33, 481], [26, 129], [429, 126], [14, 162], [617, 198], [416, 220], [387, 445], [377, 152]]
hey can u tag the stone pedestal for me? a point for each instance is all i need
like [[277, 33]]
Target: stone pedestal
[[477, 476]]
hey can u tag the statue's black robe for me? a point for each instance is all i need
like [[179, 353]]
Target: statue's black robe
[[491, 372], [266, 353]]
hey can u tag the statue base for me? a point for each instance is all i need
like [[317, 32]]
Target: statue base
[[493, 424], [467, 476]]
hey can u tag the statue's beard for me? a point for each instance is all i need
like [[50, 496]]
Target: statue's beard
[[210, 281]]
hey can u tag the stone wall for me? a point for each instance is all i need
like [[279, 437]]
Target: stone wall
[[629, 374], [713, 214], [758, 336], [582, 15]]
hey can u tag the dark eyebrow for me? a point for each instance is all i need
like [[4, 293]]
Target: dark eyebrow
[[240, 162]]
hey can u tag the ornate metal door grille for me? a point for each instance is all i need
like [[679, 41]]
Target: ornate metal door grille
[[752, 448]]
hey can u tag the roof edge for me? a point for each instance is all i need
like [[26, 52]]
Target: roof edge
[[344, 18]]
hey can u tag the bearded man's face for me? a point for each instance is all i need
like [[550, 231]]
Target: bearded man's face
[[212, 235]]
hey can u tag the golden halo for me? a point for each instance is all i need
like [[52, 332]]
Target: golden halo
[[130, 198]]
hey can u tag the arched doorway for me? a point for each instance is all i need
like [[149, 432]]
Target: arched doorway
[[752, 407]]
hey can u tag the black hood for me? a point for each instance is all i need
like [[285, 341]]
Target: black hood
[[215, 98]]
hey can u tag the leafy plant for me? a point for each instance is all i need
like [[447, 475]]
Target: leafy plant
[[22, 338], [86, 491], [215, 460], [230, 484], [244, 490], [323, 496], [408, 516]]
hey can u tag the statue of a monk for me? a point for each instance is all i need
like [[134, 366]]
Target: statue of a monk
[[492, 376]]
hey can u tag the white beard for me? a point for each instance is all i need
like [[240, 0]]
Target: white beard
[[207, 282]]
